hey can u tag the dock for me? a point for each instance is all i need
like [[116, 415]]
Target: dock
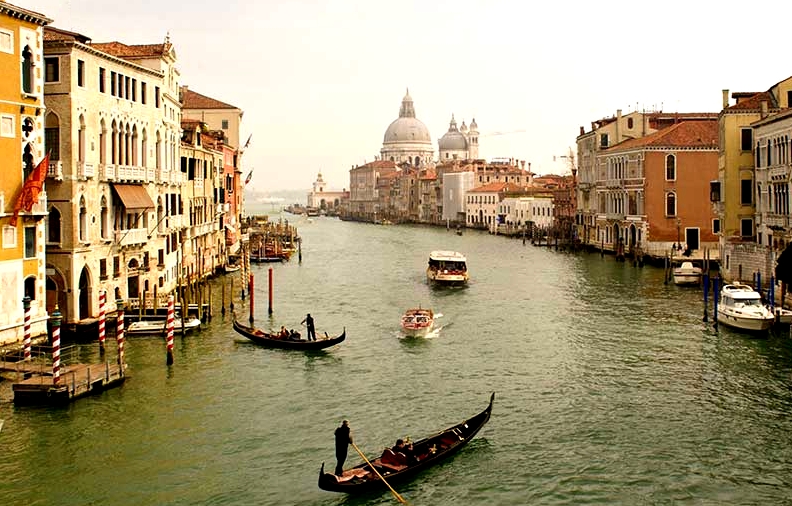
[[34, 383]]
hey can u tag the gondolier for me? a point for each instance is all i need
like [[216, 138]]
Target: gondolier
[[309, 323], [343, 438]]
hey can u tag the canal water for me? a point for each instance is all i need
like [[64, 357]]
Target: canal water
[[610, 389]]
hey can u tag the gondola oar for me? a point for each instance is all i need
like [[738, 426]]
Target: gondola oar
[[395, 494]]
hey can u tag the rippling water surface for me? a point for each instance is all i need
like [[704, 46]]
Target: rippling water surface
[[610, 389]]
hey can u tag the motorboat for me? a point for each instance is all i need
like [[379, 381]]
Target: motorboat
[[447, 267], [417, 322], [783, 316], [741, 307], [687, 273], [156, 327]]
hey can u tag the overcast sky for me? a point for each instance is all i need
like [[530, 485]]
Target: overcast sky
[[320, 81]]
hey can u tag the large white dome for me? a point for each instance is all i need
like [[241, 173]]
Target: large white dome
[[407, 128]]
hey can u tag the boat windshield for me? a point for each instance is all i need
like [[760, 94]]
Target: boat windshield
[[751, 302], [447, 265]]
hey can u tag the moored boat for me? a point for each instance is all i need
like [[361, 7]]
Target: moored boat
[[158, 326], [417, 322], [447, 267], [395, 467], [687, 273], [296, 342], [741, 307]]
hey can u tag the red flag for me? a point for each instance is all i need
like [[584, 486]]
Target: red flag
[[30, 190], [249, 177]]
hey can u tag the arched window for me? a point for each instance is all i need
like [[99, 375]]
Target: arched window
[[81, 140], [52, 135], [27, 70], [104, 219], [670, 167], [54, 226], [143, 147], [27, 161], [671, 204], [158, 152], [30, 287], [113, 143], [83, 221]]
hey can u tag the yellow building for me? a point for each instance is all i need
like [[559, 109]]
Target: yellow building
[[735, 193], [22, 271]]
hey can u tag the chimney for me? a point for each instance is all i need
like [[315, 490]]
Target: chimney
[[725, 99], [763, 114], [582, 130]]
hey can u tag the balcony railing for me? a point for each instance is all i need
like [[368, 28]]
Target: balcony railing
[[85, 169], [131, 236], [778, 172], [107, 172], [777, 220], [55, 170], [176, 222]]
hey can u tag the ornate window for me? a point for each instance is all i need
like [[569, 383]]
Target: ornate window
[[671, 204], [27, 70], [670, 167], [54, 226]]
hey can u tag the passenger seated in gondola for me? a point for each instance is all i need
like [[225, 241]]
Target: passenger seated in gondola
[[283, 332], [293, 334]]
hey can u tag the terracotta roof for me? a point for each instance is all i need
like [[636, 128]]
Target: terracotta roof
[[754, 103], [51, 34], [378, 164], [428, 175], [497, 187], [193, 100], [120, 50], [686, 134]]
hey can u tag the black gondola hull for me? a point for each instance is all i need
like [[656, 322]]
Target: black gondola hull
[[267, 340], [464, 432]]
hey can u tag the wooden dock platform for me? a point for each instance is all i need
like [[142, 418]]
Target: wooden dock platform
[[36, 384]]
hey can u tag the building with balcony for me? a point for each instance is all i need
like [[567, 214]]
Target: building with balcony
[[223, 122], [481, 204], [604, 133], [773, 166], [737, 191], [364, 203], [22, 148], [203, 242], [112, 128], [652, 192]]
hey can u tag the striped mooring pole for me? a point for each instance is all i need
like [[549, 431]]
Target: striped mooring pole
[[120, 334], [170, 323], [56, 323], [26, 342], [102, 320]]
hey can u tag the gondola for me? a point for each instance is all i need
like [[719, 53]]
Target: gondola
[[273, 341], [396, 467]]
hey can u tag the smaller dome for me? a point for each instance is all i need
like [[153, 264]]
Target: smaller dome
[[453, 139], [473, 125], [463, 128]]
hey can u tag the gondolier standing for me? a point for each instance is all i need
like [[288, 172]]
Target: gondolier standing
[[343, 438], [309, 323]]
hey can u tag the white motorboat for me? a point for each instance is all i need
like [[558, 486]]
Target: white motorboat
[[741, 307], [687, 274], [447, 267], [417, 322], [783, 316], [157, 327]]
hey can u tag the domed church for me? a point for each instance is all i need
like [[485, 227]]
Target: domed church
[[407, 139], [459, 143]]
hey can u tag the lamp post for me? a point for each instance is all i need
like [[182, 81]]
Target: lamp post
[[679, 222]]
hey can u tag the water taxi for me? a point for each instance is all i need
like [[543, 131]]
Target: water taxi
[[740, 306], [447, 267], [417, 322]]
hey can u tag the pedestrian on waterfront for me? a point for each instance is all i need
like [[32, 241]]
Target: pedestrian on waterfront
[[309, 323], [343, 438]]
